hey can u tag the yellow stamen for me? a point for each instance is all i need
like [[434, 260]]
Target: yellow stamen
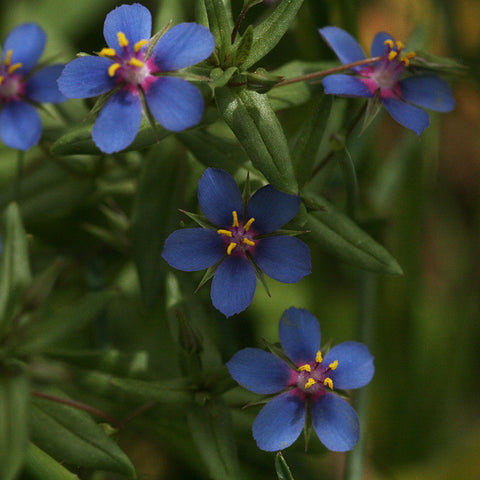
[[235, 219], [328, 383], [392, 55], [122, 39], [8, 57], [405, 61], [399, 45], [247, 226], [246, 241], [333, 365], [1, 79], [305, 367], [107, 52], [319, 358], [14, 67], [140, 44], [228, 233], [136, 62], [112, 69], [230, 248], [388, 43], [310, 382], [411, 55]]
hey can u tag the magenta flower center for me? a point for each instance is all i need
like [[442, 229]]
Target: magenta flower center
[[239, 238], [313, 378], [11, 83]]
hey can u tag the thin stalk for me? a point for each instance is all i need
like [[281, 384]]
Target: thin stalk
[[18, 180], [240, 18]]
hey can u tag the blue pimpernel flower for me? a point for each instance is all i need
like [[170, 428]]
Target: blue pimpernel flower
[[242, 235], [401, 94], [308, 383], [124, 69], [21, 87]]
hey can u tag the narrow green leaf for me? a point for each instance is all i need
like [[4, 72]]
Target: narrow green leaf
[[282, 468], [337, 234], [70, 435], [211, 429], [269, 32], [39, 465], [244, 47], [254, 123], [14, 399], [220, 25], [15, 275]]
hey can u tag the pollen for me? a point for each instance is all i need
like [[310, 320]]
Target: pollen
[[112, 69], [333, 365], [328, 383], [8, 57], [235, 219], [392, 55], [388, 43], [107, 52], [122, 39], [135, 62], [305, 367], [319, 358], [246, 241], [140, 44], [310, 382], [231, 247], [14, 67], [228, 233], [247, 226]]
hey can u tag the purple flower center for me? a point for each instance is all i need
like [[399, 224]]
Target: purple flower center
[[313, 378], [11, 83], [239, 237]]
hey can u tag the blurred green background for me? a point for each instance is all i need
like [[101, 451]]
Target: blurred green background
[[424, 415]]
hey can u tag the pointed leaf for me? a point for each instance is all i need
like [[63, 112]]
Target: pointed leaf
[[39, 465], [245, 46], [220, 24], [282, 468]]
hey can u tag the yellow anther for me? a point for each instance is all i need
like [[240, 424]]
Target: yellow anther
[[228, 233], [319, 358], [405, 61], [235, 219], [310, 382], [333, 365], [107, 52], [136, 62], [122, 39], [8, 57], [328, 383], [112, 69], [411, 55], [14, 67], [388, 43], [230, 248], [392, 55], [306, 368], [247, 226], [140, 44], [246, 241], [399, 45], [1, 79]]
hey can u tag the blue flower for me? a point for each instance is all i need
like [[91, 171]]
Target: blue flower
[[124, 69], [308, 383], [241, 237], [399, 93], [21, 88]]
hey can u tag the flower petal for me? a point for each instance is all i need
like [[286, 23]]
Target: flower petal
[[271, 209], [86, 77], [233, 285], [26, 42], [20, 125], [259, 371], [42, 86], [285, 259], [355, 365], [135, 21], [335, 422], [279, 422], [345, 86], [175, 103], [183, 45], [219, 196], [299, 333], [193, 249], [343, 44], [378, 45], [427, 91], [118, 122], [407, 115]]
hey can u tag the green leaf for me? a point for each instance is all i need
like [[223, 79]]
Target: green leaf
[[211, 429], [282, 468], [15, 275], [254, 123], [269, 32], [14, 399], [220, 24], [337, 234], [70, 435], [41, 466], [244, 47]]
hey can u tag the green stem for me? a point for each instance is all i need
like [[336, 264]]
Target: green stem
[[18, 180]]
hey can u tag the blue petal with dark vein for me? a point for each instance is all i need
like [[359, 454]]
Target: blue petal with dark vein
[[407, 115], [427, 91]]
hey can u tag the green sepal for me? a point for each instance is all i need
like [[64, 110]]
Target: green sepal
[[261, 81], [337, 234], [39, 465], [259, 274], [374, 105], [282, 468], [308, 425], [100, 102], [244, 46], [269, 32], [254, 123], [276, 350], [199, 219], [154, 40], [209, 273], [426, 62], [247, 191], [220, 78], [220, 24]]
